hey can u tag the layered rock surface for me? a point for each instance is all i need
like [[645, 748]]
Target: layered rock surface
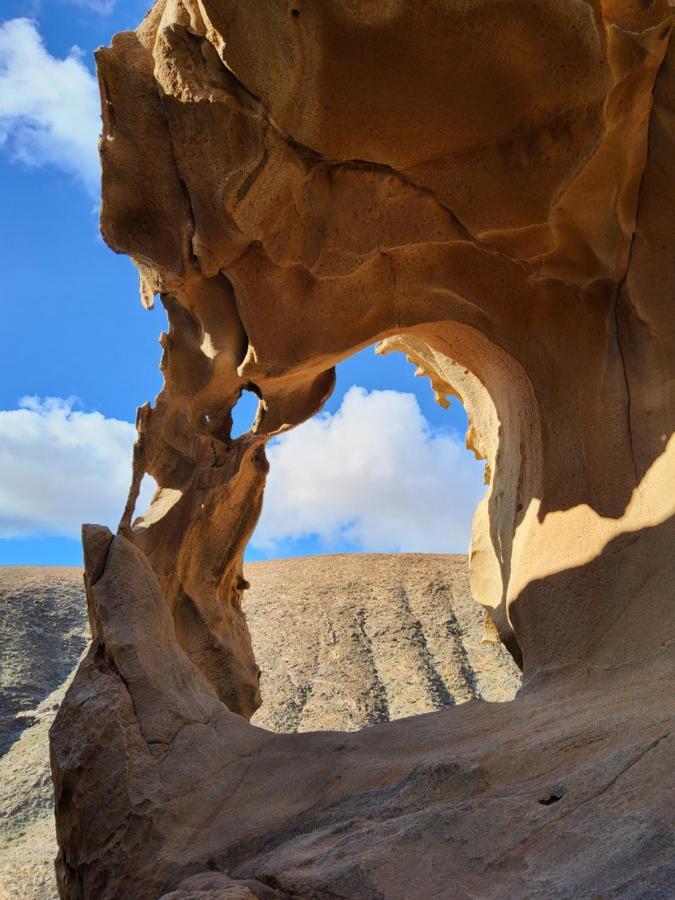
[[487, 187]]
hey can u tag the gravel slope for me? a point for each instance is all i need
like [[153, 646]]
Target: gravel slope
[[352, 640], [43, 631]]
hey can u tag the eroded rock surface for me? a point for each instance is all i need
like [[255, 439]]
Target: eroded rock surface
[[487, 187], [562, 792]]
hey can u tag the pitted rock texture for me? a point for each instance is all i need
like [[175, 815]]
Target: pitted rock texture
[[486, 187]]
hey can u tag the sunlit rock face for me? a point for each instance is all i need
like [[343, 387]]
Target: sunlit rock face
[[488, 187]]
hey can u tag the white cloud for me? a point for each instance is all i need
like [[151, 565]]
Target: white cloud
[[49, 107], [60, 467], [374, 476]]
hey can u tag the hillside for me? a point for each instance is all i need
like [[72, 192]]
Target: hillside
[[43, 631], [343, 642], [352, 640]]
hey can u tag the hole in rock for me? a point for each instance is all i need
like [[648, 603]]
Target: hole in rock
[[244, 412], [359, 608], [551, 798], [145, 494]]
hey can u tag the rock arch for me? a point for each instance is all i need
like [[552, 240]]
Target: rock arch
[[482, 185]]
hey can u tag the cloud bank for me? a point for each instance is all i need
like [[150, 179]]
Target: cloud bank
[[375, 476], [60, 467], [49, 107]]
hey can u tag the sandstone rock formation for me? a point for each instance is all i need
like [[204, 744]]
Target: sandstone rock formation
[[488, 187], [343, 642]]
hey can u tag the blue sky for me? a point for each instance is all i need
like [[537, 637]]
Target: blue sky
[[73, 328]]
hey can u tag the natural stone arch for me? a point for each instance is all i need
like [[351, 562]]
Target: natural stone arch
[[495, 435], [503, 217]]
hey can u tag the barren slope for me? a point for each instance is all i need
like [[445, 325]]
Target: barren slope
[[353, 640], [43, 631]]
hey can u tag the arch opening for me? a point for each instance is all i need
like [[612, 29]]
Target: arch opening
[[245, 412], [372, 618]]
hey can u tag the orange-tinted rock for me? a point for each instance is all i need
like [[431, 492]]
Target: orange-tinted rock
[[488, 187]]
